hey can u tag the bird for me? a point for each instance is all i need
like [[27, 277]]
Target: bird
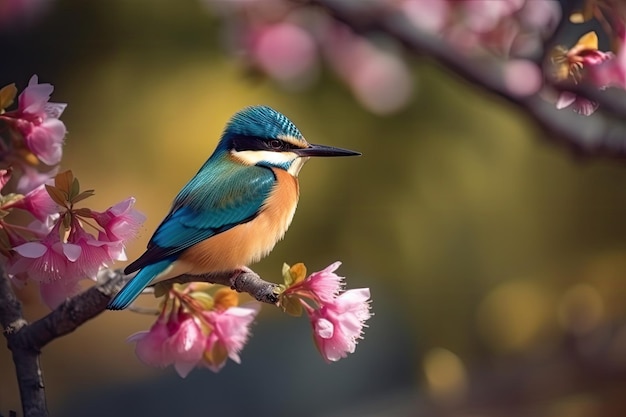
[[237, 206]]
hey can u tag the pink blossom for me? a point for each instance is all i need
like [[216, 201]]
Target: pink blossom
[[38, 203], [612, 72], [579, 104], [32, 178], [522, 77], [231, 329], [485, 15], [47, 260], [5, 176], [379, 78], [186, 343], [94, 253], [121, 221], [284, 51], [38, 121], [338, 325], [323, 286], [429, 15], [151, 347], [178, 340]]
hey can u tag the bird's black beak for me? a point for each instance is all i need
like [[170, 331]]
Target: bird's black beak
[[323, 150]]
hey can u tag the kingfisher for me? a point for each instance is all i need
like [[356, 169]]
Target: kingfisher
[[237, 206]]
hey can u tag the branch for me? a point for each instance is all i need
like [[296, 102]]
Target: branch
[[25, 358], [602, 133], [26, 340]]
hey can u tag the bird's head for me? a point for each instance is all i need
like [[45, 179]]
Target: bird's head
[[259, 135]]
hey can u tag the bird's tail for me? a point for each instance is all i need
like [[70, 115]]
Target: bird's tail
[[135, 286]]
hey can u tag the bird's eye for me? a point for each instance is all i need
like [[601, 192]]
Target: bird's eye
[[275, 144]]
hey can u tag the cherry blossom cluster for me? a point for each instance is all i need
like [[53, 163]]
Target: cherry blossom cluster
[[337, 317], [56, 244], [202, 325], [198, 326]]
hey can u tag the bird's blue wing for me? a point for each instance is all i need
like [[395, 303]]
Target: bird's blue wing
[[222, 195]]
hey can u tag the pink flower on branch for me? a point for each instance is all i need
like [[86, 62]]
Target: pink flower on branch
[[151, 347], [196, 329], [337, 317], [38, 121], [338, 325], [59, 249]]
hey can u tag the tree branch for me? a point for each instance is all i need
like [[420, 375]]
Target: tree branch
[[26, 340], [25, 358], [603, 133]]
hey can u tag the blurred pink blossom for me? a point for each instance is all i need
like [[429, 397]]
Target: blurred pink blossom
[[522, 77], [612, 72], [428, 15], [32, 178], [379, 78], [38, 203], [579, 104], [285, 52]]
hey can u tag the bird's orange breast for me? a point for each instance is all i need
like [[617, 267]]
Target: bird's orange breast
[[248, 242]]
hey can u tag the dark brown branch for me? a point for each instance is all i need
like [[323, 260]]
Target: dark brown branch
[[25, 357], [601, 133], [26, 340]]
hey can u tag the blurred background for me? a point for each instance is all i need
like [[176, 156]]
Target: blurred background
[[496, 259]]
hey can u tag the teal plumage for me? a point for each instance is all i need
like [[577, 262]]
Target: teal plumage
[[232, 188]]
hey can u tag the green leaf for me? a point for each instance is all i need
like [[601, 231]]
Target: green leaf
[[74, 190], [7, 96], [57, 195], [291, 305], [204, 299], [286, 275], [82, 196]]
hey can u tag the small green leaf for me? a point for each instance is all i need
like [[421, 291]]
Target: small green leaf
[[74, 190], [286, 275], [291, 305], [7, 96], [204, 299], [57, 195], [82, 196]]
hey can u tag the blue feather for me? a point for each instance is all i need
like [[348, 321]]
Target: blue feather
[[135, 286]]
